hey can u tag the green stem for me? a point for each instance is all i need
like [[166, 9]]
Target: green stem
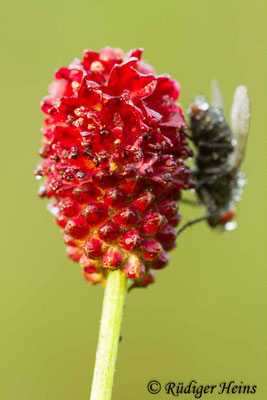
[[109, 336]]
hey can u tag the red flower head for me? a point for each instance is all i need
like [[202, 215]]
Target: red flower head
[[114, 150]]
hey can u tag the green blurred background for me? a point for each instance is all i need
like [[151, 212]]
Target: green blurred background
[[205, 318]]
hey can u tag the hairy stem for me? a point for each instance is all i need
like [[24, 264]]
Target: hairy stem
[[109, 335]]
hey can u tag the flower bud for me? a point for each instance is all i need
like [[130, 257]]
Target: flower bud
[[134, 268], [131, 240], [151, 223], [161, 261], [77, 227], [95, 213], [151, 249], [93, 248], [113, 258]]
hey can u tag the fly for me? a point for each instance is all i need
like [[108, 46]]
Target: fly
[[220, 151]]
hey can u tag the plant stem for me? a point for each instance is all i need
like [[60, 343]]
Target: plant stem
[[109, 335]]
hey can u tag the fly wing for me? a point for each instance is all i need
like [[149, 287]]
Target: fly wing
[[240, 122], [216, 96]]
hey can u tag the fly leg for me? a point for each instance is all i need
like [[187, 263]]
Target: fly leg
[[206, 200], [190, 223]]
